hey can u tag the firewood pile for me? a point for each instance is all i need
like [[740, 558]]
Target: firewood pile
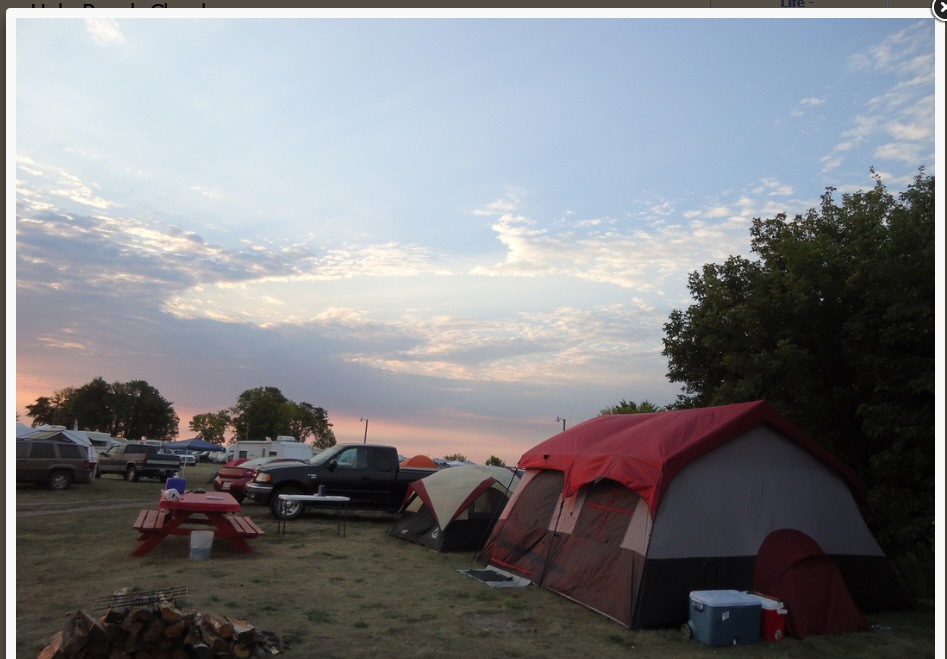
[[159, 629]]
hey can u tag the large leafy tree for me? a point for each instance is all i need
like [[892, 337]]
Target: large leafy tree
[[265, 412], [833, 323], [132, 410], [260, 413], [211, 426], [51, 410], [140, 411], [306, 420]]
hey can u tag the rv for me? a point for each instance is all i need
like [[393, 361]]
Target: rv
[[281, 447]]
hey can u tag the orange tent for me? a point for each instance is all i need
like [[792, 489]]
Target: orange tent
[[420, 461]]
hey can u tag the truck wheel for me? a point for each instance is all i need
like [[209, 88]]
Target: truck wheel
[[131, 474], [285, 509], [59, 480]]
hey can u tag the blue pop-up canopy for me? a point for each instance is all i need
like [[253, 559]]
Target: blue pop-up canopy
[[195, 444]]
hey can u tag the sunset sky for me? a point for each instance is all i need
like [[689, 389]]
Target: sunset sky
[[461, 230]]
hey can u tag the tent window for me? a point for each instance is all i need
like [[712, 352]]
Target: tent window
[[607, 511]]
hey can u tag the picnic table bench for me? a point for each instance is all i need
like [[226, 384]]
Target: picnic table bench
[[244, 526], [191, 511], [150, 521]]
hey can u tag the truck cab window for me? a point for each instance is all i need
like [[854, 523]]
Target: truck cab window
[[353, 458]]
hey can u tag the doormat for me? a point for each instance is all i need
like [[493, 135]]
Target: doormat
[[496, 578]]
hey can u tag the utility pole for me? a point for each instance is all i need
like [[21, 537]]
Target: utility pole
[[563, 423], [365, 438]]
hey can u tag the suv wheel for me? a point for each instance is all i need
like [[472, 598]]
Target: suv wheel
[[59, 480], [131, 474]]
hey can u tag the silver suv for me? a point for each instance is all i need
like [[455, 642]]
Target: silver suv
[[54, 464]]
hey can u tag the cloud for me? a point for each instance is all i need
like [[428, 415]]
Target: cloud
[[904, 51], [104, 31], [578, 345], [904, 111]]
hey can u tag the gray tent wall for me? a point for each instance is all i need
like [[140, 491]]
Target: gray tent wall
[[721, 507]]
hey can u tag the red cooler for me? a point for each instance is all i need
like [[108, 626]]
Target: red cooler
[[772, 618]]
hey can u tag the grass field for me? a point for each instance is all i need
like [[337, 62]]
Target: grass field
[[326, 596]]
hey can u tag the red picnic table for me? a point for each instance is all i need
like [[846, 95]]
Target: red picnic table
[[190, 512]]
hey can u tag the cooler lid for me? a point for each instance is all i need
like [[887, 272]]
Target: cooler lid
[[718, 598], [767, 602]]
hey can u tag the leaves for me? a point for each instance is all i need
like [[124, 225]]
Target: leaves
[[133, 410]]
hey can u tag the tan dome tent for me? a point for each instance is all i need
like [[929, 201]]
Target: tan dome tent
[[455, 509], [628, 513]]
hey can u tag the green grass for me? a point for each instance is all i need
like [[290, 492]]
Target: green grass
[[354, 596]]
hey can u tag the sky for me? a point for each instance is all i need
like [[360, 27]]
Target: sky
[[469, 232]]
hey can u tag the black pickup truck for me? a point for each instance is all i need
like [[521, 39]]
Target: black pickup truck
[[368, 474]]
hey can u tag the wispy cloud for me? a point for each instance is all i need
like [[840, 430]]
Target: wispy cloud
[[104, 31], [905, 110]]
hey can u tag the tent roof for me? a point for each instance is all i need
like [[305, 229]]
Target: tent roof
[[646, 451], [69, 435], [420, 461], [196, 444]]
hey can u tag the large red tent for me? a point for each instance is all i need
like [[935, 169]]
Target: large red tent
[[629, 513]]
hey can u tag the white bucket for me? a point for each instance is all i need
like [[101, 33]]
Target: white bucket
[[201, 542]]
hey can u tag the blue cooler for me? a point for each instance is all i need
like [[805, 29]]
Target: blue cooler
[[175, 483], [724, 617]]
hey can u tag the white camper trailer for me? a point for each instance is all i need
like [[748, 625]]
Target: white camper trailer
[[281, 447]]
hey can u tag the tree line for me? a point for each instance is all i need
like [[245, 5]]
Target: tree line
[[136, 410], [265, 412], [133, 410]]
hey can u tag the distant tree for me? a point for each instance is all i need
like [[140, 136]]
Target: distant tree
[[260, 413], [306, 420], [833, 324], [96, 406], [495, 461], [456, 457], [124, 409], [266, 412], [630, 407], [51, 410], [141, 412], [211, 426]]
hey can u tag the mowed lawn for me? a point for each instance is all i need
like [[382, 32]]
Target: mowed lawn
[[362, 595]]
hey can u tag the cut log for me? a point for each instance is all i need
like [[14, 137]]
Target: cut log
[[169, 612], [217, 624], [54, 649], [243, 631], [153, 632], [175, 629]]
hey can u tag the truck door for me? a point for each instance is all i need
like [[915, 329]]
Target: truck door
[[350, 475]]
